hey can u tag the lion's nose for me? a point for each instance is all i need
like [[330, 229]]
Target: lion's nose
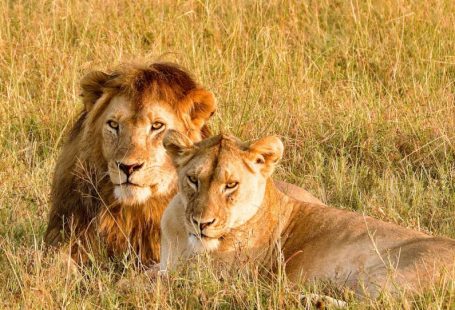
[[129, 169], [202, 224]]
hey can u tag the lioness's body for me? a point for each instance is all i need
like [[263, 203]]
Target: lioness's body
[[317, 242]]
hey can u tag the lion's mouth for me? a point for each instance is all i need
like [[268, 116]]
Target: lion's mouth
[[132, 193], [128, 184], [133, 185]]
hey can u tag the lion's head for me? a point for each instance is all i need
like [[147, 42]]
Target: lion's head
[[113, 177], [127, 113], [222, 181]]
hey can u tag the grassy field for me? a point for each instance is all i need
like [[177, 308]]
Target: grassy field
[[362, 92]]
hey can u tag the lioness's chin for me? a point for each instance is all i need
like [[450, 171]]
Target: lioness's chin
[[199, 245], [131, 194]]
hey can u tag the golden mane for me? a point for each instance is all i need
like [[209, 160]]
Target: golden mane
[[83, 206]]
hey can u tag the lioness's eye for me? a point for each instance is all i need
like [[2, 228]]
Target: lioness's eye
[[157, 125], [113, 124], [232, 185], [192, 179]]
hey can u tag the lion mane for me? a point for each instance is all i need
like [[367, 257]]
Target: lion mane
[[84, 211]]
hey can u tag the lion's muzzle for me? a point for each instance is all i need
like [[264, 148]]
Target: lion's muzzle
[[129, 169]]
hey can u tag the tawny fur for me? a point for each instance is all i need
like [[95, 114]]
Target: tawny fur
[[316, 242]]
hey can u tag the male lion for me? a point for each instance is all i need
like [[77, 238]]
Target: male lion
[[113, 178], [227, 205]]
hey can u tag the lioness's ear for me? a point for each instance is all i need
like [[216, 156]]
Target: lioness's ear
[[266, 153], [92, 88], [200, 105], [178, 146]]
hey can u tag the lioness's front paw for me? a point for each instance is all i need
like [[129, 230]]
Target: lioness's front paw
[[310, 301]]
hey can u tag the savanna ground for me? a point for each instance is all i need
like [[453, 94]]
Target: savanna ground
[[362, 93]]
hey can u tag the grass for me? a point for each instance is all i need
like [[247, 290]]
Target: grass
[[362, 93]]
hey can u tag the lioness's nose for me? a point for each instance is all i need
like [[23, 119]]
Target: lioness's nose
[[203, 223], [129, 169]]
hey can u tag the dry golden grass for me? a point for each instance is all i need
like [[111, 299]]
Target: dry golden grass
[[361, 91]]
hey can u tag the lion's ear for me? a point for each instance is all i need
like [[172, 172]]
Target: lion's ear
[[178, 146], [92, 88], [200, 105], [266, 153]]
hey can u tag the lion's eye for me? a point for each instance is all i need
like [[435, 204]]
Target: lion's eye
[[113, 124], [232, 185], [192, 179], [157, 126]]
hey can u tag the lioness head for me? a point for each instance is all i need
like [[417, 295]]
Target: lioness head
[[130, 110], [221, 181]]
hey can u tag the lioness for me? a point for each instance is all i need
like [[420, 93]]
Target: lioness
[[113, 178], [228, 205]]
